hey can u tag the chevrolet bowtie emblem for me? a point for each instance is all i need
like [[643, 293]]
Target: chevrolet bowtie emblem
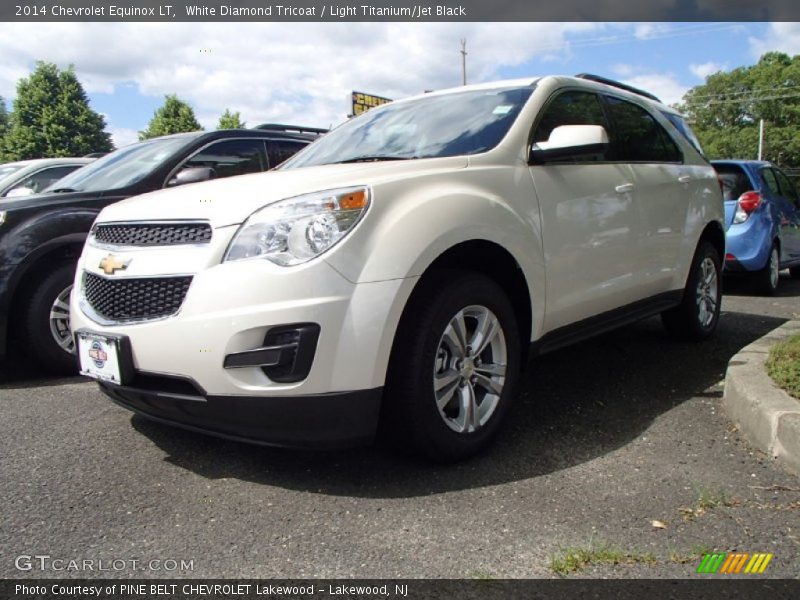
[[111, 264]]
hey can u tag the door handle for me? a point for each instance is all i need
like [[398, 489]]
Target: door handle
[[624, 188], [684, 179]]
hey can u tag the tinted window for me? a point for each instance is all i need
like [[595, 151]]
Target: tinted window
[[44, 178], [280, 150], [123, 167], [769, 179], [733, 180], [571, 108], [787, 187], [681, 125], [453, 124], [231, 157], [636, 136]]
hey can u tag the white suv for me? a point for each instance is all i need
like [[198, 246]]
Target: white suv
[[403, 268]]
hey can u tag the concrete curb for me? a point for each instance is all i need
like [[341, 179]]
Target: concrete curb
[[767, 416]]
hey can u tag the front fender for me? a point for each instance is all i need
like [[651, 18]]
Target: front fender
[[405, 232]]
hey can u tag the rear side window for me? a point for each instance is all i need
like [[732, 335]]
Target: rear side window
[[637, 136], [570, 108], [769, 179], [733, 180], [681, 125], [788, 190]]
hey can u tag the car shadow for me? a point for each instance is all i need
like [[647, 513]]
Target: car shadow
[[22, 372], [741, 285], [572, 406]]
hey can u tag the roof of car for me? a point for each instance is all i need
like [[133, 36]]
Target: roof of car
[[583, 79], [51, 161]]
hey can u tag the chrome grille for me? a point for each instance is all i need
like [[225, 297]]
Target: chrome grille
[[131, 299], [153, 234]]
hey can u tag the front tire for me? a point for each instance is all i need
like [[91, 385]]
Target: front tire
[[766, 280], [454, 366], [46, 331], [696, 317]]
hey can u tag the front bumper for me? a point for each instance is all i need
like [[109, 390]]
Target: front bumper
[[335, 420], [229, 311]]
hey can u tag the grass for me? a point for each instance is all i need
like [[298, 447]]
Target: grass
[[574, 558], [783, 365], [706, 500]]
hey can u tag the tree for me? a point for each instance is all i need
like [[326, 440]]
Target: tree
[[725, 111], [174, 116], [52, 118], [230, 120]]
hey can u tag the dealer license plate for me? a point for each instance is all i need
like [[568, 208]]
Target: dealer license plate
[[100, 356]]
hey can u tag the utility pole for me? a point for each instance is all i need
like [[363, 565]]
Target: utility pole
[[463, 62], [761, 139]]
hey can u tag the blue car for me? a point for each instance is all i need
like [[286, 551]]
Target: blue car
[[762, 218]]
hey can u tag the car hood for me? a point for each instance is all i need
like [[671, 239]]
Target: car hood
[[230, 201]]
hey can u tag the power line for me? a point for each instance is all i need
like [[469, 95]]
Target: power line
[[750, 91], [741, 100]]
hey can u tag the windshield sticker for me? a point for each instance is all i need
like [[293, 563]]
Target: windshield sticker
[[502, 109]]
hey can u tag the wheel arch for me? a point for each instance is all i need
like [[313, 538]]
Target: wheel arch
[[495, 262], [39, 262]]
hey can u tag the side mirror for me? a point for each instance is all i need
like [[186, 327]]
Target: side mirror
[[192, 175], [570, 141], [20, 191]]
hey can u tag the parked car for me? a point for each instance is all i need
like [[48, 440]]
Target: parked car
[[41, 236], [28, 177], [762, 216], [402, 268]]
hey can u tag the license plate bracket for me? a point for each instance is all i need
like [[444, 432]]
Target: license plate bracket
[[105, 357]]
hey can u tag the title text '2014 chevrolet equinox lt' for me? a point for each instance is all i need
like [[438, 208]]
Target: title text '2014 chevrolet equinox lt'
[[400, 269]]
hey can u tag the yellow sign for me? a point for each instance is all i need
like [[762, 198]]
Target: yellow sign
[[363, 102]]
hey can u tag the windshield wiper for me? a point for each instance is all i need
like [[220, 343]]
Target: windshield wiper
[[62, 190], [375, 158]]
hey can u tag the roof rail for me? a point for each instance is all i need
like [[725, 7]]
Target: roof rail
[[617, 84], [298, 128]]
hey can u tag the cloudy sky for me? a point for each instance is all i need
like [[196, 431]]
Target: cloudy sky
[[303, 73]]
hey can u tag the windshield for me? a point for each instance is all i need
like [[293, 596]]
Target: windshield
[[6, 170], [122, 167], [428, 127]]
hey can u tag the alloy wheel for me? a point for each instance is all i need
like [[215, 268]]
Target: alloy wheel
[[470, 369], [59, 321], [707, 292]]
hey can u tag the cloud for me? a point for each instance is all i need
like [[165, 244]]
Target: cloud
[[277, 72], [664, 85], [122, 137], [783, 37], [703, 70]]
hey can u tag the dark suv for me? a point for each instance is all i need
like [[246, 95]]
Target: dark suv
[[41, 236]]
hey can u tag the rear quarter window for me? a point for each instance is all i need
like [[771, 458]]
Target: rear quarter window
[[683, 127]]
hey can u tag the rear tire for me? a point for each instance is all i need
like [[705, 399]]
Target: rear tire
[[766, 280], [45, 328], [453, 369], [696, 317]]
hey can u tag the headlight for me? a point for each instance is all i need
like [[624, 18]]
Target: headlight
[[296, 230]]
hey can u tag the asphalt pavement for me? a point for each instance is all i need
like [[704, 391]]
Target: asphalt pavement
[[605, 438]]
